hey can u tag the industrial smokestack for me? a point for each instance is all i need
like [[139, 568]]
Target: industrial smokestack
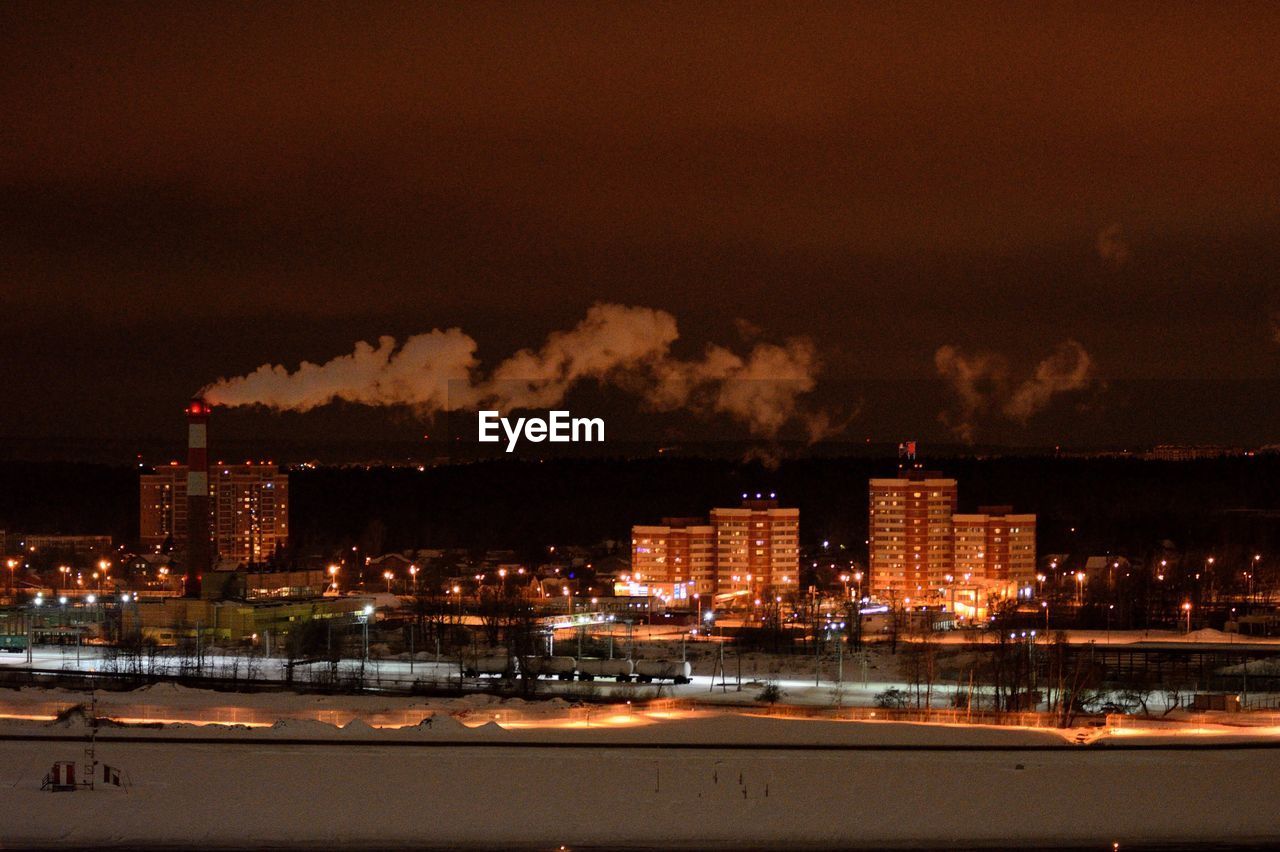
[[198, 539]]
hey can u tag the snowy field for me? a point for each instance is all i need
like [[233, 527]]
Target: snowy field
[[675, 783], [371, 771]]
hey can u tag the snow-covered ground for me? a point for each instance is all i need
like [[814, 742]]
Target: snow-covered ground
[[483, 772], [526, 788]]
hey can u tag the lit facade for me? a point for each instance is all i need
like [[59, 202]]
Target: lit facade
[[747, 549], [757, 547], [248, 509], [996, 544], [922, 550], [678, 551], [911, 544]]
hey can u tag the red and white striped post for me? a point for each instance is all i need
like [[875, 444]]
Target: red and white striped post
[[198, 538]]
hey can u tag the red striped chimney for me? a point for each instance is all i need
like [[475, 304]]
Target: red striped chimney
[[199, 558]]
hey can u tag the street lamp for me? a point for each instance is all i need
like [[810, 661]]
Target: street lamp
[[413, 578], [387, 575], [1080, 588], [368, 614], [333, 578], [1186, 608]]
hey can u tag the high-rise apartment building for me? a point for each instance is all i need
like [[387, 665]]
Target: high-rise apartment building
[[995, 544], [920, 548], [751, 548], [248, 509], [679, 550], [911, 541], [757, 546]]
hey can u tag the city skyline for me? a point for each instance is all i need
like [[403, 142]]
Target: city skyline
[[752, 425]]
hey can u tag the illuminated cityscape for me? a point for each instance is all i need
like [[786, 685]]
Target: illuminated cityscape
[[608, 427]]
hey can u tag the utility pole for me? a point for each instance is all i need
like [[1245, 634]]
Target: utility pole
[[817, 655], [840, 659]]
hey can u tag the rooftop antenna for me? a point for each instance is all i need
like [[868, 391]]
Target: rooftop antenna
[[907, 454]]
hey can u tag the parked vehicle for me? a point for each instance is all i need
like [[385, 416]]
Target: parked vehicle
[[590, 669], [561, 668], [676, 671]]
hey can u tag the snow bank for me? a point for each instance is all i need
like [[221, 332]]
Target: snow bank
[[303, 728]]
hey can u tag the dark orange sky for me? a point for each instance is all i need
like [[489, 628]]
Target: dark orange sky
[[887, 179]]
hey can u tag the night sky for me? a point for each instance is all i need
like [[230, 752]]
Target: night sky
[[189, 191]]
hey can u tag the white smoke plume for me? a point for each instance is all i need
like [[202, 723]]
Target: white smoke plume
[[417, 373], [760, 390], [1068, 368], [983, 386], [976, 381], [615, 344], [611, 338]]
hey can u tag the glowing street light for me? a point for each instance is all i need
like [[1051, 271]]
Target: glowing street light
[[368, 616]]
